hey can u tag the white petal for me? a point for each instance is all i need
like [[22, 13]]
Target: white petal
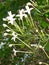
[[8, 30], [4, 25], [4, 19], [28, 4], [5, 34]]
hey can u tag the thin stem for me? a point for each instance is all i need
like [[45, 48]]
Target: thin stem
[[12, 30], [35, 7], [29, 21], [45, 53], [32, 21], [17, 26], [45, 44], [35, 27], [23, 52], [24, 43], [23, 23]]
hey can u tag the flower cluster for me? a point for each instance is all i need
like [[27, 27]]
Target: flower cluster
[[12, 20], [17, 31]]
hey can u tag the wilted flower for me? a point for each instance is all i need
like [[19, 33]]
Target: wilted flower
[[21, 14], [14, 36], [10, 18]]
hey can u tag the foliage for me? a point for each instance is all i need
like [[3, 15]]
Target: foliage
[[25, 39]]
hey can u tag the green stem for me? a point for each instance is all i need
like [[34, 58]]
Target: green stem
[[46, 53], [17, 26], [23, 23], [24, 52], [24, 43]]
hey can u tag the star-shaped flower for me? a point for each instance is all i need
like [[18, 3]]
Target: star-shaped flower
[[21, 14], [10, 18], [28, 10], [14, 36]]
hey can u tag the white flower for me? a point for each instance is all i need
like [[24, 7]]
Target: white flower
[[14, 36], [28, 9], [5, 34], [10, 18], [4, 25], [21, 14], [2, 44], [14, 52]]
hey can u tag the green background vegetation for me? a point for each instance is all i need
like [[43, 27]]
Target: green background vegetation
[[43, 18]]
